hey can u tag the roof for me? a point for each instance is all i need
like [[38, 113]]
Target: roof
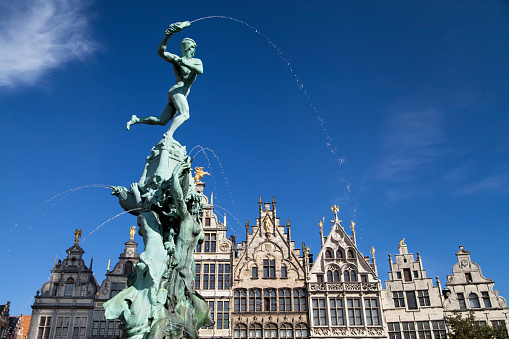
[[26, 324]]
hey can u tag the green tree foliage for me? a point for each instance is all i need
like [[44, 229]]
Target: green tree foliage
[[470, 328]]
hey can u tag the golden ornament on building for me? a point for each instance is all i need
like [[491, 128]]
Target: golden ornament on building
[[77, 235], [199, 173], [132, 230]]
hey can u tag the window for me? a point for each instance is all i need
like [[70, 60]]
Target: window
[[255, 331], [319, 278], [461, 300], [270, 331], [339, 254], [286, 331], [255, 300], [254, 272], [346, 276], [301, 331], [269, 268], [210, 242], [83, 290], [198, 248], [299, 300], [319, 315], [364, 277], [409, 330], [55, 290], [474, 300], [116, 287], [498, 323], [284, 273], [411, 300], [328, 254], [423, 298], [197, 277], [223, 317], [354, 311], [336, 312], [285, 299], [99, 323], [333, 274], [223, 276], [209, 276], [69, 286], [486, 299], [399, 300], [407, 274], [207, 221], [371, 309], [353, 276], [439, 329], [44, 328], [416, 274], [398, 275], [423, 330], [62, 327], [350, 254], [128, 268], [240, 331], [269, 296], [239, 300], [394, 331], [468, 277]]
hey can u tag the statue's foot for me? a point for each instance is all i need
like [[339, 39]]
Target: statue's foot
[[133, 120]]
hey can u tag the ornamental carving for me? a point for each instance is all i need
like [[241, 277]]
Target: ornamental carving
[[321, 331], [369, 286], [339, 331], [352, 287], [224, 246], [268, 247], [335, 287], [375, 331], [317, 287], [356, 331]]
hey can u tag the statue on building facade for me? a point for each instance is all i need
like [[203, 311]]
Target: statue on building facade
[[159, 301]]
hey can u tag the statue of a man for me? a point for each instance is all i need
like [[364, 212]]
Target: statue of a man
[[186, 68]]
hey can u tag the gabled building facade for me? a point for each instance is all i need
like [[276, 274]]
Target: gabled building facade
[[468, 290], [269, 281], [4, 320], [412, 305], [65, 304], [213, 260], [344, 291]]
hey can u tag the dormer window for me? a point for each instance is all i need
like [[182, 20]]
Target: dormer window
[[328, 254], [339, 254], [468, 277], [350, 254], [474, 300], [407, 274], [69, 286]]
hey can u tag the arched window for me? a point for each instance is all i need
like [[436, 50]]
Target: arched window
[[240, 331], [474, 300], [336, 275], [299, 299], [286, 331], [269, 296], [255, 331], [255, 300], [353, 276], [285, 299], [329, 276], [333, 274], [350, 254], [254, 272], [128, 268], [301, 331], [239, 300], [328, 254], [339, 254], [346, 276], [69, 286], [271, 331]]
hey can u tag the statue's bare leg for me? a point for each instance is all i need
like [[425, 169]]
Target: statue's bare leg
[[168, 113], [181, 105]]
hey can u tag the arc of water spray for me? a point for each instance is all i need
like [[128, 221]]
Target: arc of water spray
[[330, 144], [134, 209]]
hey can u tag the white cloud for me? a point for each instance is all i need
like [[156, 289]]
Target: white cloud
[[39, 35], [411, 141], [493, 183]]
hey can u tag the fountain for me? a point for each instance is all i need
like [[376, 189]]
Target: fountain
[[159, 301]]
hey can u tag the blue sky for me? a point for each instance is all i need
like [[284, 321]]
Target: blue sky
[[396, 111]]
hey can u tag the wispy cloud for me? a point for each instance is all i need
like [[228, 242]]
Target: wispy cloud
[[493, 183], [411, 141], [40, 35]]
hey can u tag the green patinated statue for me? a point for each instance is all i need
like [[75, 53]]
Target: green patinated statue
[[159, 301], [186, 68]]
